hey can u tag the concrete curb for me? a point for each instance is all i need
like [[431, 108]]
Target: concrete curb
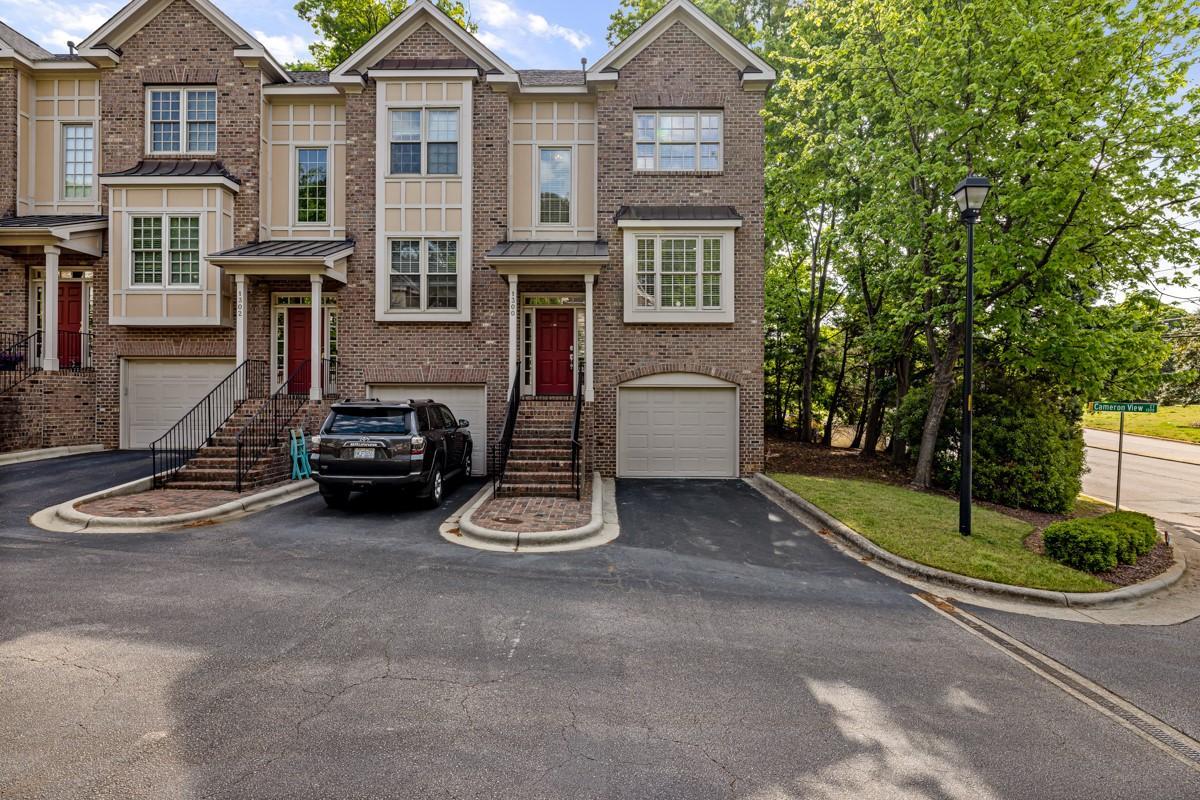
[[602, 528], [792, 502], [25, 456], [65, 518]]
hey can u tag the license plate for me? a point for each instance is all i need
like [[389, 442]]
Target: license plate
[[364, 452]]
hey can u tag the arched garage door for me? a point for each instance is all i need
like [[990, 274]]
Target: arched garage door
[[677, 425]]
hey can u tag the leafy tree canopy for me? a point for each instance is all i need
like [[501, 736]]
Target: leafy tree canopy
[[346, 25]]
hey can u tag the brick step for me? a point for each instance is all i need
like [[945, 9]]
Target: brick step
[[543, 478], [533, 490], [541, 442], [556, 449], [538, 465]]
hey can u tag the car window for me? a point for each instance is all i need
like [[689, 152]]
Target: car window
[[447, 418], [368, 421], [423, 418]]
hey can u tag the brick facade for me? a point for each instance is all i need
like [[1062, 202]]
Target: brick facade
[[50, 409], [676, 70]]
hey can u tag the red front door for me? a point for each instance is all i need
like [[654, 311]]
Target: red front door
[[299, 350], [70, 323], [555, 340]]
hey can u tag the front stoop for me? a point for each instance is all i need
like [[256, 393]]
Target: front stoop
[[539, 463], [215, 465]]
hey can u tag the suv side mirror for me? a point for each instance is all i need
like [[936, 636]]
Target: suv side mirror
[[464, 423]]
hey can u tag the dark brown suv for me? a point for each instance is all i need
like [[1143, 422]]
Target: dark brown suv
[[368, 445]]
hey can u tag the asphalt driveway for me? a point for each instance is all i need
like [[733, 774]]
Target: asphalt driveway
[[717, 649]]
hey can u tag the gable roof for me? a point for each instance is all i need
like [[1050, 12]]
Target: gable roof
[[407, 22], [20, 44], [105, 41], [752, 67]]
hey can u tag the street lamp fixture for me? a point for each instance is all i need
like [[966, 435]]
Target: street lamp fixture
[[970, 195]]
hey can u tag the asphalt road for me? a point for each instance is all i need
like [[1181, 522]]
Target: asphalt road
[[1158, 477], [717, 649]]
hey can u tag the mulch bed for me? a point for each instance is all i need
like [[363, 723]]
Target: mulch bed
[[837, 462]]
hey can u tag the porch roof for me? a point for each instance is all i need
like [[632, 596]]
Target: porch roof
[[288, 258], [548, 258], [78, 233]]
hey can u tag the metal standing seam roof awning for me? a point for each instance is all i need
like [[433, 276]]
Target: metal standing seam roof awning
[[542, 257], [156, 171], [677, 216], [77, 233], [288, 258]]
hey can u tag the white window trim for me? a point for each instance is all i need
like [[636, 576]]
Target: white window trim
[[295, 193], [423, 273], [424, 142], [699, 314], [697, 112], [571, 191], [165, 284], [61, 176], [183, 122]]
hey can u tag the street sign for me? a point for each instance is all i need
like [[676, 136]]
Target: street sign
[[1130, 408]]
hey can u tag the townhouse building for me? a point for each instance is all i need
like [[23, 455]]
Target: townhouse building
[[191, 233]]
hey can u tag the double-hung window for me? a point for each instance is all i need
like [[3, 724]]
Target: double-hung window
[[182, 121], [424, 274], [554, 185], [78, 161], [680, 273], [423, 141], [678, 141], [312, 185], [165, 250]]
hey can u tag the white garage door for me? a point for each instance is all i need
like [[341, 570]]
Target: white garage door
[[677, 432], [465, 402], [157, 393]]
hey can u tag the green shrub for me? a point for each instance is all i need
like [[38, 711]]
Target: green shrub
[[1083, 544], [1136, 534]]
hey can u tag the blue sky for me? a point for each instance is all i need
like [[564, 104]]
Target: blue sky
[[525, 33]]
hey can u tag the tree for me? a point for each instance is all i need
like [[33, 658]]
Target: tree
[[1079, 112], [346, 25]]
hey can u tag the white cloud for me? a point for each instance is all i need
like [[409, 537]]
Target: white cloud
[[502, 24], [52, 24], [287, 47]]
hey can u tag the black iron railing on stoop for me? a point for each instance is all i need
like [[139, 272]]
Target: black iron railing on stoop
[[501, 449], [329, 376], [19, 358], [75, 350], [179, 445], [265, 429], [576, 444]]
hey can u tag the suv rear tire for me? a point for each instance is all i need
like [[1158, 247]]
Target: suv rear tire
[[437, 487], [335, 498]]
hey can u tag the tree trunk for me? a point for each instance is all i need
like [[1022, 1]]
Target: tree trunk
[[943, 386], [806, 389], [861, 425], [898, 445], [875, 418], [827, 437]]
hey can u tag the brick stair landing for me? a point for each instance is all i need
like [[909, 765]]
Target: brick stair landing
[[539, 463]]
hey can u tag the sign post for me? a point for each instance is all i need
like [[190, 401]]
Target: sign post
[[1123, 408]]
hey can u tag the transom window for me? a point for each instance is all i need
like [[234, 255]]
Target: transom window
[[424, 141], [678, 273], [182, 120], [78, 149], [424, 274], [178, 251], [678, 141], [312, 185], [554, 185]]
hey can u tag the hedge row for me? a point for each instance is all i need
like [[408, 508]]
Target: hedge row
[[1097, 544]]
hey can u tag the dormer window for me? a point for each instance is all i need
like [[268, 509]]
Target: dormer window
[[181, 121]]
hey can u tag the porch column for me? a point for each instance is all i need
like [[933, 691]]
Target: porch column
[[513, 303], [50, 311], [314, 386], [239, 311], [590, 390]]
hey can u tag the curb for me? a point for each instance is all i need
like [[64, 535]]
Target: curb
[[795, 504], [25, 456], [1143, 436], [65, 518], [602, 528]]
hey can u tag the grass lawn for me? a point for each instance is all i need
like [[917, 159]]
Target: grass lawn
[[924, 527], [1171, 422]]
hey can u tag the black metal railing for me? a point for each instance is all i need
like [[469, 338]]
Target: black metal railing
[[576, 442], [75, 350], [501, 449], [176, 447], [19, 358], [329, 376], [265, 429]]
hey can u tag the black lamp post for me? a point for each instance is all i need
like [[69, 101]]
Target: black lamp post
[[970, 196]]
